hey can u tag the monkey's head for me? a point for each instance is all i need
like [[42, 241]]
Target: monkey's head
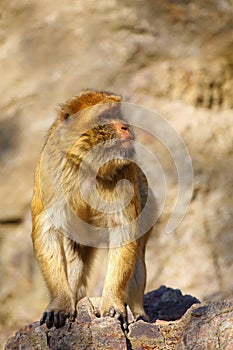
[[93, 130]]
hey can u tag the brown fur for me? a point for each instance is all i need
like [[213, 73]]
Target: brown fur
[[65, 264]]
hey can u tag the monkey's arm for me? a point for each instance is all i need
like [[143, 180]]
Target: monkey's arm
[[50, 254], [121, 267]]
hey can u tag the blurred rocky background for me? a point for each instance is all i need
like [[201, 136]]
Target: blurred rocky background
[[175, 57]]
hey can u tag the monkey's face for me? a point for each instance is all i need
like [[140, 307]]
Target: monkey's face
[[103, 138], [114, 136]]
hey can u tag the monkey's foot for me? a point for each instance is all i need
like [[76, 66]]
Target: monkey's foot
[[139, 314], [116, 313], [57, 314], [57, 318]]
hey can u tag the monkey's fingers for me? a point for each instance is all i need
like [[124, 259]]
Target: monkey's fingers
[[112, 312], [57, 319], [50, 319], [43, 318], [47, 318], [97, 312], [60, 319], [117, 313], [72, 316]]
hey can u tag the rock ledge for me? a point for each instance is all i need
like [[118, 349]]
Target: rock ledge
[[202, 326]]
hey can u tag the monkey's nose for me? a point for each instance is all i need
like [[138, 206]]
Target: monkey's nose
[[122, 131]]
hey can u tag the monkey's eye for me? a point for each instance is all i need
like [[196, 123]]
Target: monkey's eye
[[105, 116], [117, 115], [65, 115]]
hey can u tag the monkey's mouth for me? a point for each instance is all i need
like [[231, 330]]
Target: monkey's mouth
[[119, 147], [126, 143], [116, 142], [124, 148]]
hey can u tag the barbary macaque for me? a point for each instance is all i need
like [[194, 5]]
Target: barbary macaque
[[69, 212]]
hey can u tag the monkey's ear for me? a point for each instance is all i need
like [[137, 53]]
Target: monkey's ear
[[63, 112]]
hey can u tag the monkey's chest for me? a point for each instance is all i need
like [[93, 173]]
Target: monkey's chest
[[99, 227]]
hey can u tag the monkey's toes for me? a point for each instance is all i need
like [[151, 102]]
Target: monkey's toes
[[57, 318], [97, 312], [116, 313]]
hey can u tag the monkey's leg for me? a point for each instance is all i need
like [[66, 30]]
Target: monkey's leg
[[120, 269], [49, 251], [79, 259]]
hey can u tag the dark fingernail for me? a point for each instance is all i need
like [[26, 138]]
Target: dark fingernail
[[62, 319], [49, 320], [112, 311], [43, 318], [56, 320], [118, 314]]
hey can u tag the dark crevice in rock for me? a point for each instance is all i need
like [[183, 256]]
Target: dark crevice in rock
[[48, 339], [128, 344]]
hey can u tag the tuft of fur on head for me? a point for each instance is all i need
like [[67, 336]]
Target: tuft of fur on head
[[87, 98]]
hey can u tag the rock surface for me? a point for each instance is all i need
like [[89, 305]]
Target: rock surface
[[174, 57], [203, 326]]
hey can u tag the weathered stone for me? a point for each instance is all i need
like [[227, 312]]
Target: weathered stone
[[145, 336], [210, 327], [204, 326]]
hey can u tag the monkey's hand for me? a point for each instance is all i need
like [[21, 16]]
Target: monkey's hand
[[111, 309], [58, 311]]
